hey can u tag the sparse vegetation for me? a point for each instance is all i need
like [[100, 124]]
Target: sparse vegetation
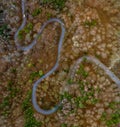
[[4, 31], [26, 30], [82, 72], [30, 65], [11, 88], [35, 74], [91, 23], [67, 96], [113, 118], [21, 34], [63, 125], [86, 97], [49, 15], [13, 70], [70, 81], [113, 104], [30, 120], [36, 12], [7, 101], [4, 106], [57, 4]]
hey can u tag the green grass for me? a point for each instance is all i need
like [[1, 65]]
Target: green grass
[[14, 3], [70, 81], [30, 65], [12, 90], [49, 15], [86, 97], [103, 116], [57, 4], [82, 72], [21, 34], [91, 23], [67, 96], [27, 29], [63, 125], [5, 106], [113, 118], [4, 31], [7, 101], [36, 12], [35, 74], [113, 104], [13, 70], [79, 102], [30, 120]]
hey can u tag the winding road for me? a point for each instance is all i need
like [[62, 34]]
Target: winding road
[[72, 70]]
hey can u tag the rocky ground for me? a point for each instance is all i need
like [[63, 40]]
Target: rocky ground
[[91, 98]]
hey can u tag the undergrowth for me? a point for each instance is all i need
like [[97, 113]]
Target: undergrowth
[[57, 4], [30, 120], [4, 31], [6, 103]]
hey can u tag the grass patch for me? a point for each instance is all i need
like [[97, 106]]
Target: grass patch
[[87, 97], [5, 106], [36, 12], [21, 34], [113, 104], [30, 120], [49, 15], [27, 29], [11, 88], [63, 125], [35, 74], [67, 96], [81, 71], [70, 81], [56, 4], [4, 31], [30, 65], [14, 70], [79, 102], [91, 23], [114, 118]]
